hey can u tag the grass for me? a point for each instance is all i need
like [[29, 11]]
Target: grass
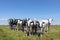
[[7, 34]]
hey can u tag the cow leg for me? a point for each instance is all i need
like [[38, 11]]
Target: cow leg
[[14, 27], [19, 27], [40, 32], [22, 28], [32, 30], [11, 27], [48, 27], [28, 31], [35, 29]]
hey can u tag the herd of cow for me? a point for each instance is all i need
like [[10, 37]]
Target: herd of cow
[[30, 26]]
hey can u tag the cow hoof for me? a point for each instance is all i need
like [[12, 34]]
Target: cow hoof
[[27, 33], [45, 31], [39, 35]]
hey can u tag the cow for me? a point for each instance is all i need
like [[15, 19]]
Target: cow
[[45, 24], [35, 26], [12, 23], [22, 24], [28, 26], [32, 26]]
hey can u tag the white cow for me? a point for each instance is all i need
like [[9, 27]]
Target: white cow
[[47, 23], [44, 24]]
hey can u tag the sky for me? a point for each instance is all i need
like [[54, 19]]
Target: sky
[[40, 9]]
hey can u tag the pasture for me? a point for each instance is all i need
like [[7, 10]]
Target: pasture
[[7, 34]]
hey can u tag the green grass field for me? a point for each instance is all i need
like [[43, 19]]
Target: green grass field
[[7, 34]]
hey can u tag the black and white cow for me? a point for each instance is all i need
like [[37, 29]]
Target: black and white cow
[[32, 26], [35, 26], [13, 23], [22, 24]]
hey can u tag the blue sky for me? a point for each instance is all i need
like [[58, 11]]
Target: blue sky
[[41, 9]]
